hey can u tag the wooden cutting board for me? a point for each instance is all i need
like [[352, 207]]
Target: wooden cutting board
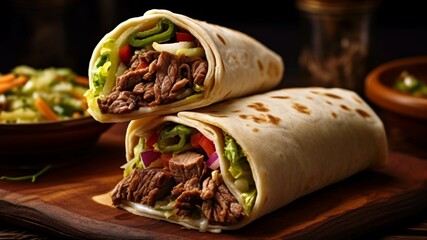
[[72, 201]]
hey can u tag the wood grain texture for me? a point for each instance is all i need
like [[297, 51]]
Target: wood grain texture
[[61, 202]]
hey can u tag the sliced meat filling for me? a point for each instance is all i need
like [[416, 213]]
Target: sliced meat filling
[[154, 78], [186, 166], [144, 186], [189, 181], [219, 205]]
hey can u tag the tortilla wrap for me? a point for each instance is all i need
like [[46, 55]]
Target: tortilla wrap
[[237, 65], [295, 140]]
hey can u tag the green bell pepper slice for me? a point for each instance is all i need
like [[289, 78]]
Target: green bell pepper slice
[[162, 32], [174, 138]]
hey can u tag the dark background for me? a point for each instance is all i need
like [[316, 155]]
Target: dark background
[[63, 33]]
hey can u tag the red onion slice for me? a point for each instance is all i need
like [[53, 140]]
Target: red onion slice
[[213, 161], [149, 156]]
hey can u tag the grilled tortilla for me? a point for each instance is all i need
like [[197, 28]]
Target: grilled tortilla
[[272, 148], [163, 62]]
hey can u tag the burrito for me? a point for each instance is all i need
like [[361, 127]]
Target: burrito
[[224, 166], [163, 62]]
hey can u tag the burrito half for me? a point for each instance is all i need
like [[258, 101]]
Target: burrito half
[[163, 62], [228, 164]]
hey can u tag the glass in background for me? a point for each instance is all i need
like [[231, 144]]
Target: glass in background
[[335, 45]]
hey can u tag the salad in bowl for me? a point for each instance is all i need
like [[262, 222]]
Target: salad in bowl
[[44, 118], [29, 95]]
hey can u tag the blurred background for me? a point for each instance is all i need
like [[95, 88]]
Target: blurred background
[[63, 33]]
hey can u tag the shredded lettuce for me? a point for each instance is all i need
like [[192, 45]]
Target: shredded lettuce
[[166, 206], [100, 73], [248, 200], [136, 161], [198, 88], [102, 67], [239, 166], [240, 170]]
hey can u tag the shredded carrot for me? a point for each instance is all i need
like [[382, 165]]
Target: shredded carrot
[[45, 110], [7, 78], [85, 105], [82, 80], [60, 78], [80, 98], [21, 80], [6, 86], [76, 115], [77, 96]]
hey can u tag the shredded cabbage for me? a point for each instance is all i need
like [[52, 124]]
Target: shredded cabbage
[[59, 88]]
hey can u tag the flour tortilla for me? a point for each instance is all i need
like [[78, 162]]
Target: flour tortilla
[[238, 65], [296, 141]]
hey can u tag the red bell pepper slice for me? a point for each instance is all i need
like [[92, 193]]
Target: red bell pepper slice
[[184, 37], [125, 54], [154, 137]]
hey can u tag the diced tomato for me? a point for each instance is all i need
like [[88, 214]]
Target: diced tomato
[[195, 139], [184, 37], [198, 140], [164, 158], [125, 53], [207, 145], [154, 137]]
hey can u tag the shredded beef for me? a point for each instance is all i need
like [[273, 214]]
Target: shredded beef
[[199, 69], [144, 186], [186, 166], [120, 102], [154, 78], [187, 186], [186, 182], [129, 80], [208, 189], [222, 207], [188, 196], [167, 66]]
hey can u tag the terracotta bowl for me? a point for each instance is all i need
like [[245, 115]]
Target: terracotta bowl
[[34, 145], [404, 115]]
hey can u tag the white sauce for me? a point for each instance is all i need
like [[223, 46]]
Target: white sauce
[[201, 224]]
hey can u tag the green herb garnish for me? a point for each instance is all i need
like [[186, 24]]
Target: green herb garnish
[[408, 83], [32, 177]]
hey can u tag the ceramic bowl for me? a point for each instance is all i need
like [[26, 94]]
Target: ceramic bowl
[[27, 145], [404, 115]]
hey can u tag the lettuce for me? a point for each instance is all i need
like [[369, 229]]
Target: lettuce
[[241, 171], [102, 67], [239, 166], [135, 162]]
